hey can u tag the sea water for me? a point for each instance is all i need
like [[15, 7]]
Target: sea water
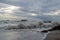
[[22, 34]]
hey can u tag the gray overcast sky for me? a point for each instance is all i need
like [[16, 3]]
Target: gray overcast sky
[[12, 9]]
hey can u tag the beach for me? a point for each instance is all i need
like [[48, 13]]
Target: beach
[[54, 35]]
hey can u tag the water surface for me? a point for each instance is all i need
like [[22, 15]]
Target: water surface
[[21, 35]]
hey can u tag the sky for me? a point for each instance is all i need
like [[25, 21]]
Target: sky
[[30, 9]]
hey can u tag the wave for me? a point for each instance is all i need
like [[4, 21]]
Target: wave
[[25, 24]]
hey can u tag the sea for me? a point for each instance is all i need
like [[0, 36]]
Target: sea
[[22, 34]]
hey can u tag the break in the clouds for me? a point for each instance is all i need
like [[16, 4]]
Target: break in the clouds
[[10, 9]]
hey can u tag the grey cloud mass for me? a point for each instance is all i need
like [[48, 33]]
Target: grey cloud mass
[[32, 8]]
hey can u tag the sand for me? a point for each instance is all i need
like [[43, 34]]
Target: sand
[[55, 35]]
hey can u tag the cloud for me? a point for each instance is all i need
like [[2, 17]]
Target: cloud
[[36, 5], [6, 11], [53, 13], [30, 8], [9, 9]]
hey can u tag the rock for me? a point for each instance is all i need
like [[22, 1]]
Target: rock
[[24, 20], [53, 29], [47, 21], [45, 31]]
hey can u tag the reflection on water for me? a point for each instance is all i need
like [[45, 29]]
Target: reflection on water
[[15, 35]]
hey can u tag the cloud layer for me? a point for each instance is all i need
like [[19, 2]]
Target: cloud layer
[[30, 9]]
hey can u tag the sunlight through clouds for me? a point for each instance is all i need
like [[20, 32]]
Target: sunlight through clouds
[[33, 14], [9, 9], [6, 12]]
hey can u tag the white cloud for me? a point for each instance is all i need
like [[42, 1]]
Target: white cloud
[[32, 14], [53, 13], [9, 9], [6, 11]]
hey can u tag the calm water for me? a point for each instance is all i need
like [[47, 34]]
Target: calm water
[[21, 35]]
